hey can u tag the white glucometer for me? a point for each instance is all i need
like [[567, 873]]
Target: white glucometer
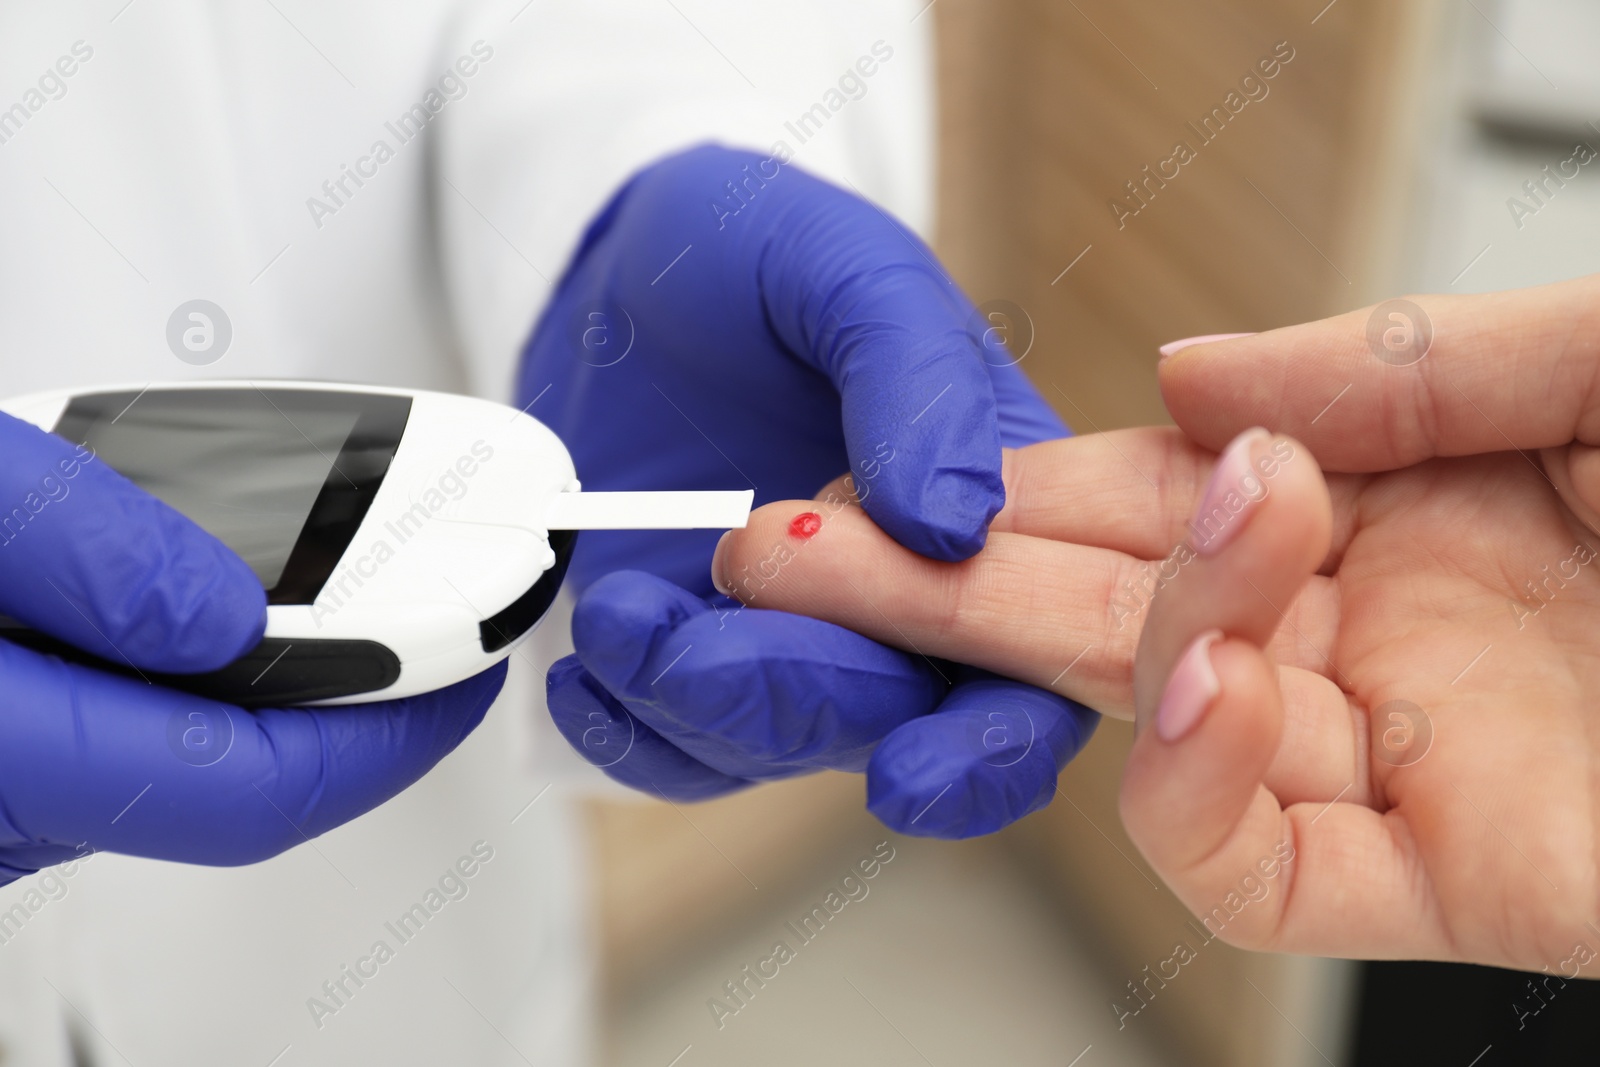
[[406, 540]]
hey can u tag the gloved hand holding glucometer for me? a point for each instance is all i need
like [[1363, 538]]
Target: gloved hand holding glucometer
[[179, 553], [92, 759]]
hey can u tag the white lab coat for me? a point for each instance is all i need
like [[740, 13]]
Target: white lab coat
[[180, 159]]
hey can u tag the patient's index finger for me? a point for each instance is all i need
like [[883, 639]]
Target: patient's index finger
[[832, 562]]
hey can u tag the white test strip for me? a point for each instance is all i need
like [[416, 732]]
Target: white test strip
[[650, 511]]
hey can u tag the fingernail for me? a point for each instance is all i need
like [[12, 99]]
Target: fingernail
[[1190, 690], [721, 584], [1231, 494], [1173, 347]]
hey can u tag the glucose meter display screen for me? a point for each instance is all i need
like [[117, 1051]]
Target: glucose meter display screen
[[265, 471]]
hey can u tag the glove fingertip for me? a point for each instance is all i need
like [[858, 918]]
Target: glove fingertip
[[618, 620], [561, 674], [945, 517], [988, 757], [607, 736], [214, 620], [951, 808]]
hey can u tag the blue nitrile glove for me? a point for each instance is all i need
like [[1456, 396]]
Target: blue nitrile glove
[[95, 761], [729, 320]]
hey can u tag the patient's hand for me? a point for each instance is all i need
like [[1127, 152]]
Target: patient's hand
[[1402, 698]]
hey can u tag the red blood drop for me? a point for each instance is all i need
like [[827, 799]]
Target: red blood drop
[[804, 527]]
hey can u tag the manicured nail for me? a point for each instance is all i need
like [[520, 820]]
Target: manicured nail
[[722, 585], [1231, 495], [1173, 347], [1190, 690]]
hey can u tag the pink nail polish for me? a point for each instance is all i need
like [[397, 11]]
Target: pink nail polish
[[721, 584], [1231, 495], [1190, 690], [1173, 347]]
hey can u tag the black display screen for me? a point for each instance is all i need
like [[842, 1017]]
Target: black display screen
[[281, 476]]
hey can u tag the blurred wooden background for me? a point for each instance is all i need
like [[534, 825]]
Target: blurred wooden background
[[1287, 215], [1291, 213]]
